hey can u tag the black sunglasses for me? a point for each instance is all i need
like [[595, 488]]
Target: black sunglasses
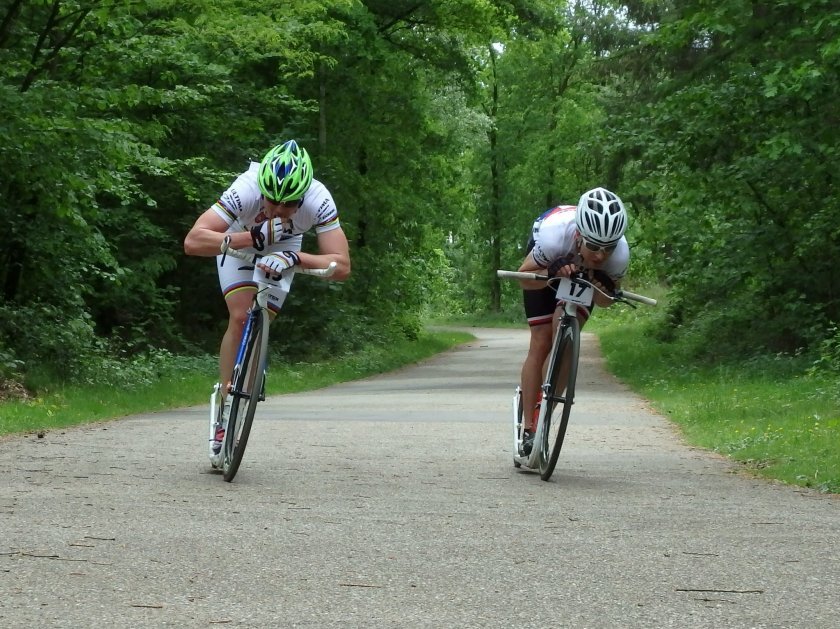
[[593, 247], [289, 203]]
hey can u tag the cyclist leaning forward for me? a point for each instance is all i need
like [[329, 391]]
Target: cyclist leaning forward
[[266, 210], [566, 239]]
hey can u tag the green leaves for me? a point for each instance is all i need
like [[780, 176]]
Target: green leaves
[[441, 126], [737, 137], [134, 117]]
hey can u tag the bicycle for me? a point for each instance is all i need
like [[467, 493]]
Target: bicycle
[[247, 383], [558, 397]]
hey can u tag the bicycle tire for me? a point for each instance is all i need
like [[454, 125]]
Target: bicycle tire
[[561, 395], [247, 379], [517, 425]]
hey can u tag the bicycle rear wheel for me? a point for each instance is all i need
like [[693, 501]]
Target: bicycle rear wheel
[[517, 425], [561, 394], [247, 383]]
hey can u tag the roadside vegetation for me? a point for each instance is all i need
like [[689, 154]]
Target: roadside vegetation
[[777, 414], [164, 381]]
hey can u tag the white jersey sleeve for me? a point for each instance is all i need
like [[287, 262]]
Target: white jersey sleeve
[[241, 204], [617, 264], [317, 212], [554, 235]]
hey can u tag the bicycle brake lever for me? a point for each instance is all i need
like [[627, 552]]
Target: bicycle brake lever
[[617, 296], [224, 248]]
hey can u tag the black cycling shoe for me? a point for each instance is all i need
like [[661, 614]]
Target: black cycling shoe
[[527, 443]]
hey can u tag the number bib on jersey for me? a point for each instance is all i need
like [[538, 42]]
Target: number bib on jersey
[[569, 290]]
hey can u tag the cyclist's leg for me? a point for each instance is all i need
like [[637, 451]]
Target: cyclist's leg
[[539, 308], [238, 287], [237, 301], [236, 279], [533, 371]]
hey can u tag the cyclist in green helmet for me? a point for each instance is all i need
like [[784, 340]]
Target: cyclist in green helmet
[[266, 210]]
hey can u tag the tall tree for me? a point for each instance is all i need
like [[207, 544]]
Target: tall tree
[[734, 140]]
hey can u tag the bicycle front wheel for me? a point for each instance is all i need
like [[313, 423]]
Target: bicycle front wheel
[[246, 387], [562, 374]]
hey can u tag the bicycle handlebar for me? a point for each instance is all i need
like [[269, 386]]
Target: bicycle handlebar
[[521, 275], [617, 296], [226, 249], [623, 294]]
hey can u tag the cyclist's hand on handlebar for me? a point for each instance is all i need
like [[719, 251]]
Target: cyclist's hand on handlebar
[[601, 280], [561, 267], [277, 262], [596, 284], [604, 285], [267, 233]]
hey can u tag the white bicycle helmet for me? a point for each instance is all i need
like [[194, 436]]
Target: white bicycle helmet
[[600, 217]]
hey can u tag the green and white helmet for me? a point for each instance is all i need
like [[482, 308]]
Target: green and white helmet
[[285, 172]]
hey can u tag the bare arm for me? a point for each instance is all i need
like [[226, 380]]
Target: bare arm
[[529, 265], [332, 247], [206, 236]]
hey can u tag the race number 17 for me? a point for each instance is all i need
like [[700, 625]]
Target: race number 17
[[577, 293]]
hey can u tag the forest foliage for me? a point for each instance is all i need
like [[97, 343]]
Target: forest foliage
[[442, 128]]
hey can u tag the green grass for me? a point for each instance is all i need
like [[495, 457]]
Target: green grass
[[769, 413], [513, 319], [189, 382]]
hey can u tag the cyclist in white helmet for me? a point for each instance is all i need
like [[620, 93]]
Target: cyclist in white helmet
[[266, 210], [588, 237]]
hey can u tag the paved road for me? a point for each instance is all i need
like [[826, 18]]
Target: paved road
[[392, 502]]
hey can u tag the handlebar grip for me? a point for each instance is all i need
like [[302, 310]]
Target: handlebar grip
[[247, 257], [330, 270], [520, 275], [634, 297]]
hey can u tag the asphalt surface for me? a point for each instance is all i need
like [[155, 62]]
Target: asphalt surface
[[393, 502]]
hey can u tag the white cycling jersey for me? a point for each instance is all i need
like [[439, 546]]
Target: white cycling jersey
[[554, 234], [241, 206]]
